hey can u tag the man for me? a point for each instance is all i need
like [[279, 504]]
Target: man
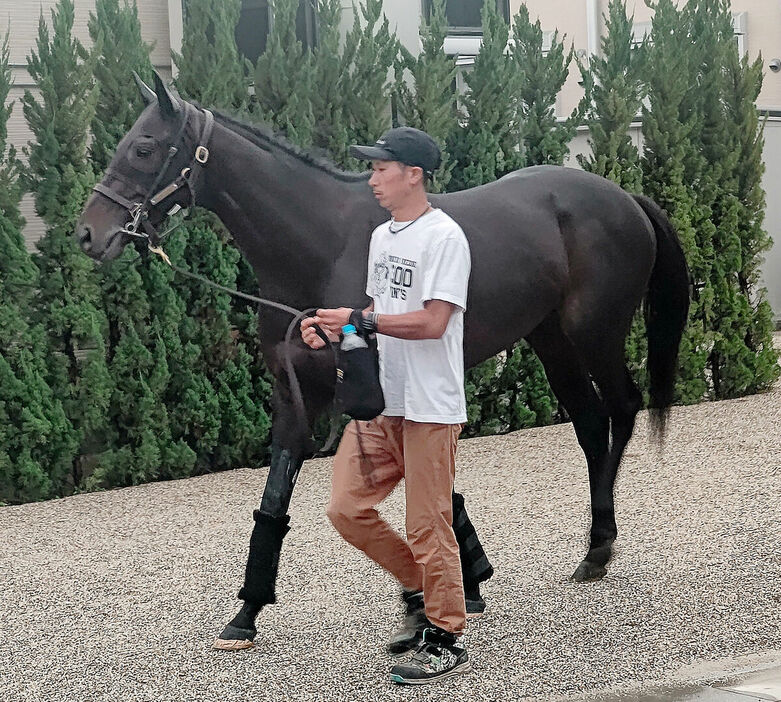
[[419, 267]]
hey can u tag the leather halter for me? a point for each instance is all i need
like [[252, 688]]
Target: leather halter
[[139, 225]]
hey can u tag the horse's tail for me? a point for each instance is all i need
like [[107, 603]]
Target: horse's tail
[[666, 313]]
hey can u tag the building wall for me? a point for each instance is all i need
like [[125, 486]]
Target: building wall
[[22, 17]]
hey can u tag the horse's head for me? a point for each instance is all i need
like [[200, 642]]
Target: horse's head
[[150, 174]]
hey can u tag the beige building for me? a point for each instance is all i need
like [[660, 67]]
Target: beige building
[[757, 30]]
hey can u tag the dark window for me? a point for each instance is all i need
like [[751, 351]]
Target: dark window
[[255, 21], [463, 16]]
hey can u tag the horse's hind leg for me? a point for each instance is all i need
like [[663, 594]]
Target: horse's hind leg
[[475, 566], [571, 383], [623, 401]]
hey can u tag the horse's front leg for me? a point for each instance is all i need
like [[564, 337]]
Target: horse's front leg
[[271, 526], [290, 446]]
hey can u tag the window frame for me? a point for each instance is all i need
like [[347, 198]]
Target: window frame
[[503, 6]]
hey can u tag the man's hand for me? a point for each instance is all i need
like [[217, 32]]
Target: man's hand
[[333, 320], [309, 335]]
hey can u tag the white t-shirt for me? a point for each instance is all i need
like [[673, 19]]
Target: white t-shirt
[[423, 380]]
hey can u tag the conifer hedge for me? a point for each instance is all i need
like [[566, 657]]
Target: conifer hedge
[[121, 374]]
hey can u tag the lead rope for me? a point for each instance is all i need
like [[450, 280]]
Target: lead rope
[[295, 386]]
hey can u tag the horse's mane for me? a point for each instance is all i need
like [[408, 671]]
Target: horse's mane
[[264, 137]]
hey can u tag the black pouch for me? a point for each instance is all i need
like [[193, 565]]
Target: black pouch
[[358, 389]]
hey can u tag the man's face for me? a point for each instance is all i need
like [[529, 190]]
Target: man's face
[[393, 182]]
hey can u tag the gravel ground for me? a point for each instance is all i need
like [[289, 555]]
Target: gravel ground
[[118, 595]]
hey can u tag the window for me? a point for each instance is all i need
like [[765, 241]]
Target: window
[[463, 16], [739, 27], [255, 21], [640, 30], [547, 42]]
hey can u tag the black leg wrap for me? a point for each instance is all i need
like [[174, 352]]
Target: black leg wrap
[[265, 544], [475, 566]]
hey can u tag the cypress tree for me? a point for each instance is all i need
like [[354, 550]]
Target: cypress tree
[[37, 442], [617, 95], [211, 70], [734, 366], [485, 147], [370, 50], [61, 177], [743, 84], [329, 100], [141, 445], [221, 399], [544, 140], [283, 77], [118, 50], [429, 103]]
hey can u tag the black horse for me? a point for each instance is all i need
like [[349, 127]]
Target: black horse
[[560, 257]]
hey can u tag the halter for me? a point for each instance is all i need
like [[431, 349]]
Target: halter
[[139, 224]]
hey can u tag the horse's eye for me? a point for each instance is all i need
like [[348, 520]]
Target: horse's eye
[[143, 151]]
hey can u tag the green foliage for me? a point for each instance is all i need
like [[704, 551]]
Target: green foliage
[[742, 358], [671, 166], [616, 76], [485, 147], [370, 50], [68, 304], [37, 442], [283, 78], [211, 71], [505, 394], [118, 50], [136, 374], [428, 103], [544, 140]]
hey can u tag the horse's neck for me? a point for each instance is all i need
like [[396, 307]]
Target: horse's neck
[[287, 216]]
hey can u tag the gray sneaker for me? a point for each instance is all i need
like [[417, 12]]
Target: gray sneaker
[[439, 655]]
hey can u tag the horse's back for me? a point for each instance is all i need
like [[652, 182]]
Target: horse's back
[[546, 239]]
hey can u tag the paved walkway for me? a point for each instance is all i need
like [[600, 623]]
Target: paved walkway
[[117, 596]]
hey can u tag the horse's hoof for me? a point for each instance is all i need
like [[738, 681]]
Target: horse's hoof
[[232, 644], [588, 572], [234, 638]]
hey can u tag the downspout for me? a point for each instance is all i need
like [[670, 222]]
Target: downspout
[[592, 25], [175, 29]]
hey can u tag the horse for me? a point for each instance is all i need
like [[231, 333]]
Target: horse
[[560, 257]]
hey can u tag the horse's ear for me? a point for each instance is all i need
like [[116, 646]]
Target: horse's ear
[[147, 94], [169, 105]]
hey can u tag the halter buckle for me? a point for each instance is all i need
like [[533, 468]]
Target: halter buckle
[[202, 155]]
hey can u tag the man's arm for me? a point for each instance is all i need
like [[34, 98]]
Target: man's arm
[[428, 323]]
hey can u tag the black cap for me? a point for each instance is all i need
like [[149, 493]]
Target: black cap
[[403, 144]]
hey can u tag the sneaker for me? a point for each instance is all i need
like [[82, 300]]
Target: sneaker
[[439, 655], [409, 636]]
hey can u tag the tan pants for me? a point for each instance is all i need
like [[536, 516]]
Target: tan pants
[[425, 456]]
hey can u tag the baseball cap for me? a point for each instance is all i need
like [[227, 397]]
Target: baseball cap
[[407, 145]]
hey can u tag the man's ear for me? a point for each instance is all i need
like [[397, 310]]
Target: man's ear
[[417, 174]]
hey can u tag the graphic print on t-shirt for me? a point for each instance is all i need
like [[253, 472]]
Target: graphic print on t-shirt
[[399, 272], [381, 273]]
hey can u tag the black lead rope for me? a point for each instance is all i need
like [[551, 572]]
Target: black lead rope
[[298, 315]]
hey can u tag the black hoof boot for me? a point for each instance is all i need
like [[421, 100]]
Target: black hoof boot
[[475, 604], [409, 636]]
